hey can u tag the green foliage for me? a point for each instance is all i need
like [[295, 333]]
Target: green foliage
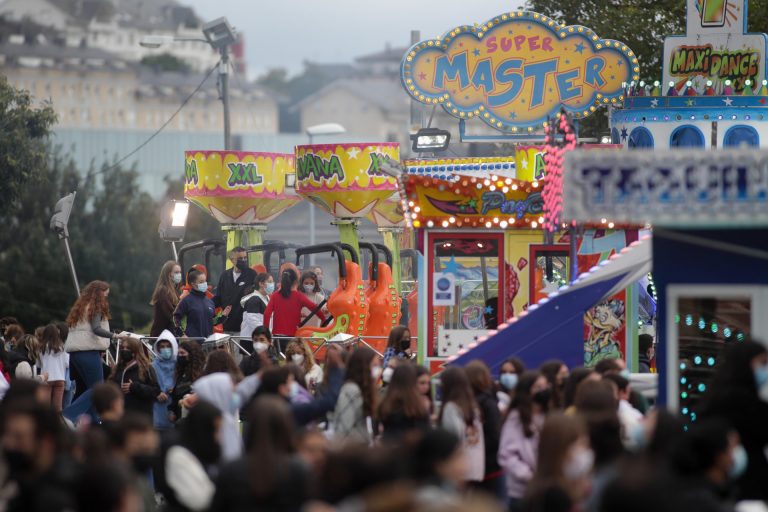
[[165, 62], [23, 153]]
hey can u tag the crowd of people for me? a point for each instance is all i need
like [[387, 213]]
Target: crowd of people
[[183, 426]]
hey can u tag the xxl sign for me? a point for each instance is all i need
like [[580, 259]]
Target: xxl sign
[[517, 69], [716, 47], [672, 187]]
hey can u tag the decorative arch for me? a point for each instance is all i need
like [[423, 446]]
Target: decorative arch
[[741, 135], [641, 137], [686, 136]]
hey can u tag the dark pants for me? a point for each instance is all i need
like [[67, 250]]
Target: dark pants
[[88, 366]]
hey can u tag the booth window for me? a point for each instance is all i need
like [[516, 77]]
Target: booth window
[[741, 135], [640, 138], [686, 136], [615, 137]]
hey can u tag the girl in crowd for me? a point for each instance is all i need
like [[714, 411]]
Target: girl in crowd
[[563, 468], [424, 388], [262, 353], [165, 298], [189, 286], [27, 349], [219, 390], [54, 362], [194, 316], [461, 416], [402, 409], [352, 417], [311, 288], [519, 443], [166, 351], [509, 373], [220, 361], [188, 464], [136, 377], [89, 335], [398, 344], [254, 304], [283, 312], [556, 374], [190, 362], [299, 353], [577, 376], [482, 385]]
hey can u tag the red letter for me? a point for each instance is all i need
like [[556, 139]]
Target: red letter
[[533, 43], [546, 44], [491, 44], [519, 40]]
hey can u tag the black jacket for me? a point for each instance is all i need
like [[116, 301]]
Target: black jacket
[[143, 392], [489, 408], [229, 293]]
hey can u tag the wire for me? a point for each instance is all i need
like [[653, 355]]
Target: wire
[[157, 132]]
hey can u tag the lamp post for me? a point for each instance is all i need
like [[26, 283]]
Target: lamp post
[[59, 222], [312, 132], [219, 34], [173, 223]]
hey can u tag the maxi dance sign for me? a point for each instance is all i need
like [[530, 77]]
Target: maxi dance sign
[[683, 188], [516, 70]]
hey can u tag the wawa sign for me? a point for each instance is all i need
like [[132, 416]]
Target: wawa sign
[[517, 69]]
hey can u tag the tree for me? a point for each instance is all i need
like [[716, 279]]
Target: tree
[[23, 152]]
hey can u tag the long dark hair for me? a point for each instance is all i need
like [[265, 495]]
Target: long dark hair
[[52, 341], [549, 370], [219, 361], [308, 274], [395, 335], [165, 288], [455, 388], [359, 372], [287, 279], [523, 401], [196, 432], [402, 395], [735, 373], [270, 441], [195, 363], [577, 376], [139, 356], [558, 434]]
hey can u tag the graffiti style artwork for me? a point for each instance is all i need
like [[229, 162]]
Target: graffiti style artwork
[[605, 325]]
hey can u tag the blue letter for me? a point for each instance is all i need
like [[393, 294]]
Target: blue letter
[[450, 69], [539, 72], [592, 76], [503, 77], [565, 85], [482, 75]]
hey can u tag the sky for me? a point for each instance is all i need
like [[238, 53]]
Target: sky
[[285, 33]]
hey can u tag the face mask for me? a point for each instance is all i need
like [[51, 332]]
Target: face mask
[[202, 287], [761, 376], [270, 287], [143, 463], [166, 353], [542, 397], [508, 381], [624, 373], [405, 345], [237, 402], [126, 355], [297, 359], [308, 288], [740, 461], [260, 347], [579, 464], [294, 390], [636, 436], [376, 372], [182, 361], [18, 461], [177, 277], [241, 264], [386, 375]]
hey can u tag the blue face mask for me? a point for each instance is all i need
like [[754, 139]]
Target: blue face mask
[[740, 461], [202, 287], [761, 376], [270, 287], [166, 353], [508, 381]]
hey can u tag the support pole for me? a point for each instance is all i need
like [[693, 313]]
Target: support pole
[[574, 252], [348, 232], [175, 252], [71, 263], [245, 235], [255, 236], [392, 241], [224, 78]]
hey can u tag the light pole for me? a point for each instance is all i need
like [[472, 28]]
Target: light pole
[[312, 132], [173, 223], [59, 222], [220, 35]]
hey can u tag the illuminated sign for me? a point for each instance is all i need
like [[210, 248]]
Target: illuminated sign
[[716, 47], [671, 187], [517, 69]]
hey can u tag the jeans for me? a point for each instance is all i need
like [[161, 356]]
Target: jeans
[[83, 405], [87, 364]]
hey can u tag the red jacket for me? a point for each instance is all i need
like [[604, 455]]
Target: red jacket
[[287, 312]]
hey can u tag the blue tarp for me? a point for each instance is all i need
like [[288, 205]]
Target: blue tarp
[[554, 329]]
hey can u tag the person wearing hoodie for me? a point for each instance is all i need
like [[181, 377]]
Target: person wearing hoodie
[[219, 390], [166, 350], [194, 316], [254, 304]]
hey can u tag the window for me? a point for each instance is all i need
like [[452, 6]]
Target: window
[[741, 135], [640, 138], [686, 136], [615, 137]]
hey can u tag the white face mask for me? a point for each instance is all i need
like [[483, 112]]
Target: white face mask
[[386, 375], [376, 372], [270, 287], [579, 464], [177, 277], [308, 288], [294, 389], [260, 347], [297, 359]]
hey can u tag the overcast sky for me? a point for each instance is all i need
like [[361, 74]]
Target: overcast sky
[[284, 33]]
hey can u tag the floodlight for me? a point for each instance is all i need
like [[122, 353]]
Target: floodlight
[[219, 33], [61, 212], [430, 139], [173, 221]]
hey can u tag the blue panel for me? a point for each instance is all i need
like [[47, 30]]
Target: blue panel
[[686, 136], [640, 138], [741, 135], [615, 138]]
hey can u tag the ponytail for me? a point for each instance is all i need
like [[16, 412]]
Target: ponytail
[[287, 279]]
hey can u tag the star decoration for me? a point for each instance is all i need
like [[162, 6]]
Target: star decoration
[[476, 52], [691, 103], [353, 153], [512, 115], [624, 134], [567, 61], [654, 102], [728, 102], [613, 77], [488, 310], [579, 48], [524, 161], [472, 203], [451, 267], [619, 63], [422, 76]]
